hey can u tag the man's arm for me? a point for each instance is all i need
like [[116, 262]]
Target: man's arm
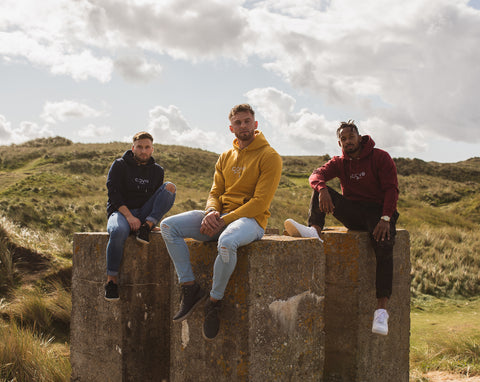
[[114, 186], [318, 181], [133, 222], [387, 174], [319, 178]]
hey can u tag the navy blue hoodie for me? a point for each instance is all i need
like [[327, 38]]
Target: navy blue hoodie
[[132, 184]]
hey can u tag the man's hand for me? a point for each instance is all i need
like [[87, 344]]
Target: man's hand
[[325, 203], [212, 223], [134, 223], [382, 231]]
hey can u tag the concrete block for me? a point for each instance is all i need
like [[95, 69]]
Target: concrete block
[[127, 340], [352, 352], [271, 320]]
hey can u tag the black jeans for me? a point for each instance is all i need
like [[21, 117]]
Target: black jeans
[[362, 216]]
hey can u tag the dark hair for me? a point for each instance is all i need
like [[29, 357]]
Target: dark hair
[[349, 124], [239, 108], [142, 135]]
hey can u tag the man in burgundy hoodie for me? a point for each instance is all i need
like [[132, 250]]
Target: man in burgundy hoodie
[[368, 178]]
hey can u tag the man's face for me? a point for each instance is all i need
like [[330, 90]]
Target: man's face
[[243, 125], [142, 150], [349, 140]]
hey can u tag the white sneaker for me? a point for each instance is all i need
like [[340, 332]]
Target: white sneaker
[[299, 230], [380, 322]]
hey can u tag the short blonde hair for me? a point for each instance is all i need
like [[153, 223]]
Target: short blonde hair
[[239, 108], [142, 135]]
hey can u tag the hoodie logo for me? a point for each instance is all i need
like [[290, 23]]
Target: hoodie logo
[[357, 176], [237, 170], [142, 181]]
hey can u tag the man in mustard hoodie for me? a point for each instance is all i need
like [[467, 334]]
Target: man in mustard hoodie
[[246, 178]]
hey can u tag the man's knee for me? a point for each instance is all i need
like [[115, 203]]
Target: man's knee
[[119, 232], [170, 187], [166, 231]]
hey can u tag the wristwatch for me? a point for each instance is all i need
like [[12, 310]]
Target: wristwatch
[[386, 218]]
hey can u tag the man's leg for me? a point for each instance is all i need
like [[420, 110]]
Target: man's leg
[[238, 233], [118, 229], [384, 267], [154, 209], [174, 230]]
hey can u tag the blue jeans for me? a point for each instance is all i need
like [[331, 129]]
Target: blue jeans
[[238, 233], [119, 229]]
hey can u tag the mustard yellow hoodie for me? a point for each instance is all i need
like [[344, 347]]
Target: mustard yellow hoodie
[[245, 181]]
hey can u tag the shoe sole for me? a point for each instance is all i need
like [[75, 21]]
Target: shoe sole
[[112, 299], [375, 331], [142, 241], [291, 229], [189, 313], [208, 338]]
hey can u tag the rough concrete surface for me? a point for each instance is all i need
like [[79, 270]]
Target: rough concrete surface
[[271, 320], [126, 340], [294, 310], [353, 352]]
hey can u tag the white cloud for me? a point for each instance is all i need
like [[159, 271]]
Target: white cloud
[[413, 64], [25, 132], [92, 131], [5, 129], [180, 28], [410, 64], [305, 132], [292, 132], [54, 112], [168, 126], [137, 69]]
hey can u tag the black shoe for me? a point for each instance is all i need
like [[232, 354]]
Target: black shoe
[[211, 325], [143, 234], [192, 295], [111, 291]]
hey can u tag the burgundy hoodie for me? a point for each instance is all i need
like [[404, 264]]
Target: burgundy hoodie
[[372, 177]]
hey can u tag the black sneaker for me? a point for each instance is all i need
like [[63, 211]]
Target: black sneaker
[[111, 291], [211, 325], [192, 295], [143, 234]]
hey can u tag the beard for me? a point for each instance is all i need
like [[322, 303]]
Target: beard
[[245, 135], [352, 149], [141, 160]]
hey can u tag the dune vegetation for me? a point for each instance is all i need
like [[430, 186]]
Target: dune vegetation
[[51, 188]]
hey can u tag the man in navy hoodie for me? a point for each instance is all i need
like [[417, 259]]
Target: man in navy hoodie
[[137, 200], [368, 178]]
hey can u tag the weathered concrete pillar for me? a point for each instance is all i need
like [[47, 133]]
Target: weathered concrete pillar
[[127, 340], [275, 323], [271, 320], [352, 352]]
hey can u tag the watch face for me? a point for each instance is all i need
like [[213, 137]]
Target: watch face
[[386, 218]]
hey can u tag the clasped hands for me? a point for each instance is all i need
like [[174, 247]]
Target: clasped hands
[[212, 223]]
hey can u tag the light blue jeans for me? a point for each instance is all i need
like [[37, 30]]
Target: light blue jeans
[[119, 229], [238, 233]]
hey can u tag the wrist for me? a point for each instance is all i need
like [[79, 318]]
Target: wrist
[[208, 210]]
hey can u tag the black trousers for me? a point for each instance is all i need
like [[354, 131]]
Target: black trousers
[[362, 216]]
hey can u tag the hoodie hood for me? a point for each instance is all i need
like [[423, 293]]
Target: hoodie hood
[[129, 158], [367, 147], [259, 142]]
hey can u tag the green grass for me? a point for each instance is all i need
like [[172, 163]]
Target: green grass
[[28, 356], [445, 335], [51, 188]]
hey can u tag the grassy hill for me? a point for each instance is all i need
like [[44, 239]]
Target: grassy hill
[[51, 188]]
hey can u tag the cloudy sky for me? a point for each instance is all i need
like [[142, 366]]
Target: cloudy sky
[[408, 72]]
